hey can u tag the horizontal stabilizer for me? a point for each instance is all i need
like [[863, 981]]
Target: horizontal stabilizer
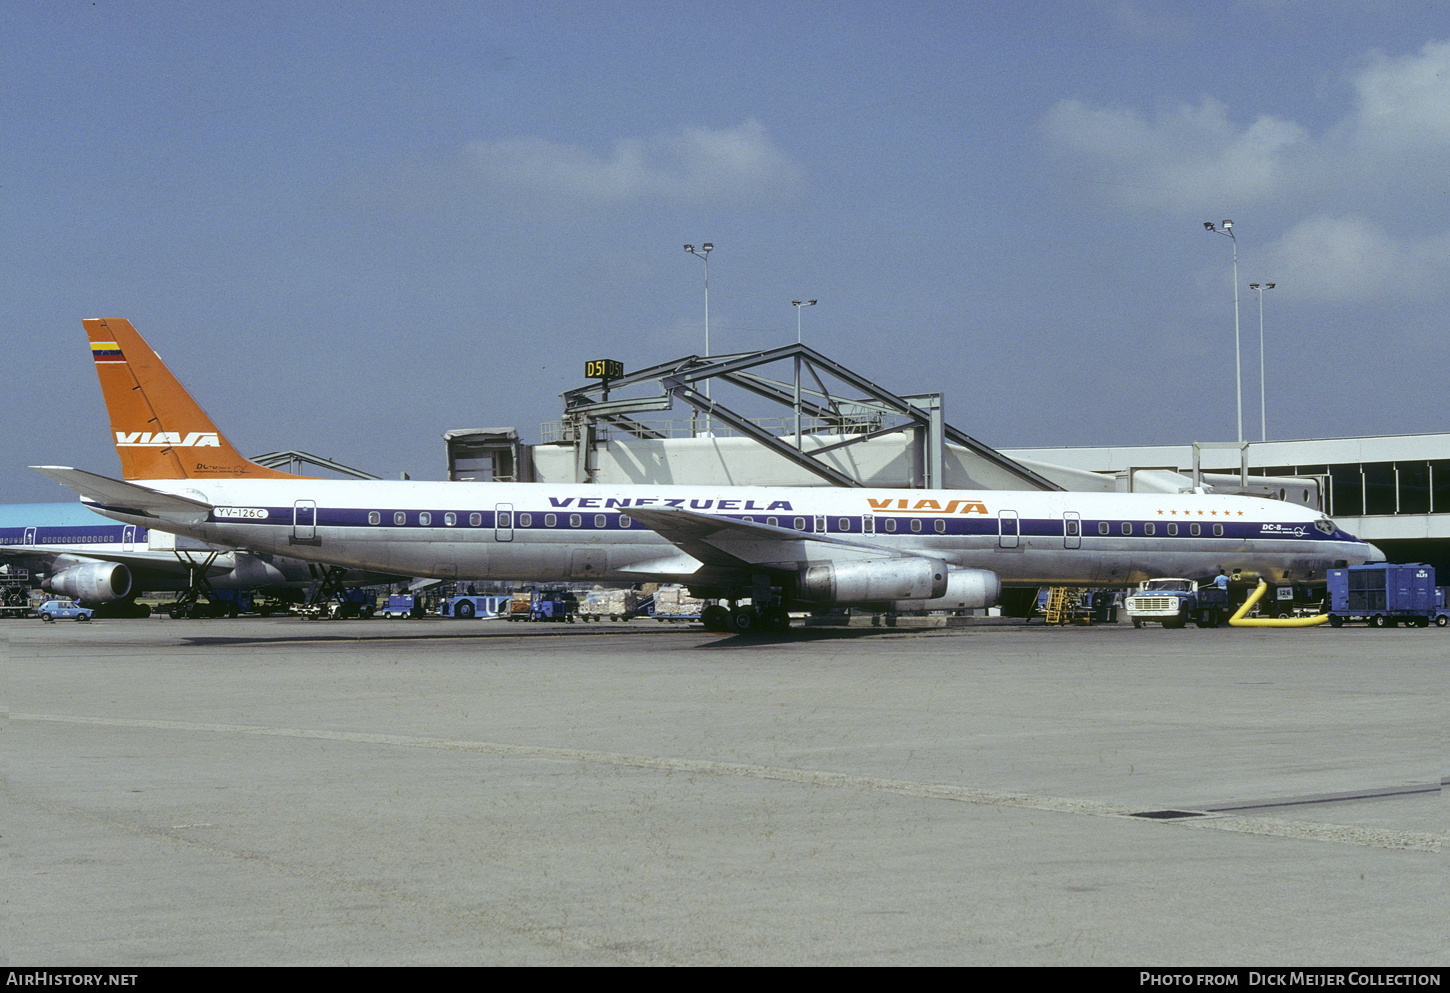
[[127, 498]]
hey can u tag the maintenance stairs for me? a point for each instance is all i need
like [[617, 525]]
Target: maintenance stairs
[[1064, 606]]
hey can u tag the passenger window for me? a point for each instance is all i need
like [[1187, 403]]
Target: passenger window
[[844, 524], [941, 527], [505, 519], [575, 520], [450, 518], [890, 525], [748, 520], [624, 521], [400, 518], [1218, 530], [374, 517], [475, 519], [916, 525], [1102, 527], [599, 520], [800, 524], [1071, 527], [1172, 529], [1195, 529], [550, 520], [1150, 529], [773, 521], [425, 518], [525, 520], [1127, 528]]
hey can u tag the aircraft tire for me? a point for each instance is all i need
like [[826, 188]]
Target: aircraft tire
[[715, 618], [775, 619], [745, 621]]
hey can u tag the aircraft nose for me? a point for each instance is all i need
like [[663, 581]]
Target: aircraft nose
[[1375, 555]]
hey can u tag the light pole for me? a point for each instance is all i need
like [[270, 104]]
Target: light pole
[[1228, 229], [798, 304], [704, 256], [1263, 417]]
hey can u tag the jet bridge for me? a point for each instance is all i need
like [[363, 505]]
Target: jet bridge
[[830, 426]]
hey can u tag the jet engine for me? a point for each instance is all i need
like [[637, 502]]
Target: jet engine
[[878, 581], [967, 589], [92, 582]]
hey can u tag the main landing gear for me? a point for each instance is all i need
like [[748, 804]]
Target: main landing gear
[[736, 619]]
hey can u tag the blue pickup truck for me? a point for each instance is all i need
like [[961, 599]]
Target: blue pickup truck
[[1175, 602]]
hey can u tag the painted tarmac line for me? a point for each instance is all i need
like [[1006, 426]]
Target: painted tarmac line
[[1202, 820]]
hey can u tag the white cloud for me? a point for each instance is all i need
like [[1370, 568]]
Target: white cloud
[[1387, 155], [1185, 156], [1405, 100], [1179, 158], [692, 164], [1348, 259]]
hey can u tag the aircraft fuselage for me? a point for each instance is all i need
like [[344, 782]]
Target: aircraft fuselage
[[550, 532]]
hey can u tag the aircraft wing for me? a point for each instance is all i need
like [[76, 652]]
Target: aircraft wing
[[113, 494], [730, 544]]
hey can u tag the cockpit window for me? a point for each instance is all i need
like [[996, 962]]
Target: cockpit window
[[1325, 524]]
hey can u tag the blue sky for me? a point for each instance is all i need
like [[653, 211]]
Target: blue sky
[[350, 227]]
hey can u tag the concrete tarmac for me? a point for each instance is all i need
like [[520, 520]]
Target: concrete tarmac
[[262, 792]]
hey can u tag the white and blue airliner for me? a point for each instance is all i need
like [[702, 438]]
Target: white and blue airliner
[[779, 548]]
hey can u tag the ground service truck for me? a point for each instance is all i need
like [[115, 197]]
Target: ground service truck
[[1383, 595], [1175, 602]]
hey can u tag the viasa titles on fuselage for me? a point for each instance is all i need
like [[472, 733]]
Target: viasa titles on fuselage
[[779, 547]]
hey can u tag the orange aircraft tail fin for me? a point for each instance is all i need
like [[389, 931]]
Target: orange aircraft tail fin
[[159, 430]]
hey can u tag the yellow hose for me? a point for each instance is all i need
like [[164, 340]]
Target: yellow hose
[[1238, 620]]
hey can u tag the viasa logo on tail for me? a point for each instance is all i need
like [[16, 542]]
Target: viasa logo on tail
[[928, 506], [164, 439]]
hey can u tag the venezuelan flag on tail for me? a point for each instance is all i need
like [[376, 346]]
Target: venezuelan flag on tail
[[159, 430]]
